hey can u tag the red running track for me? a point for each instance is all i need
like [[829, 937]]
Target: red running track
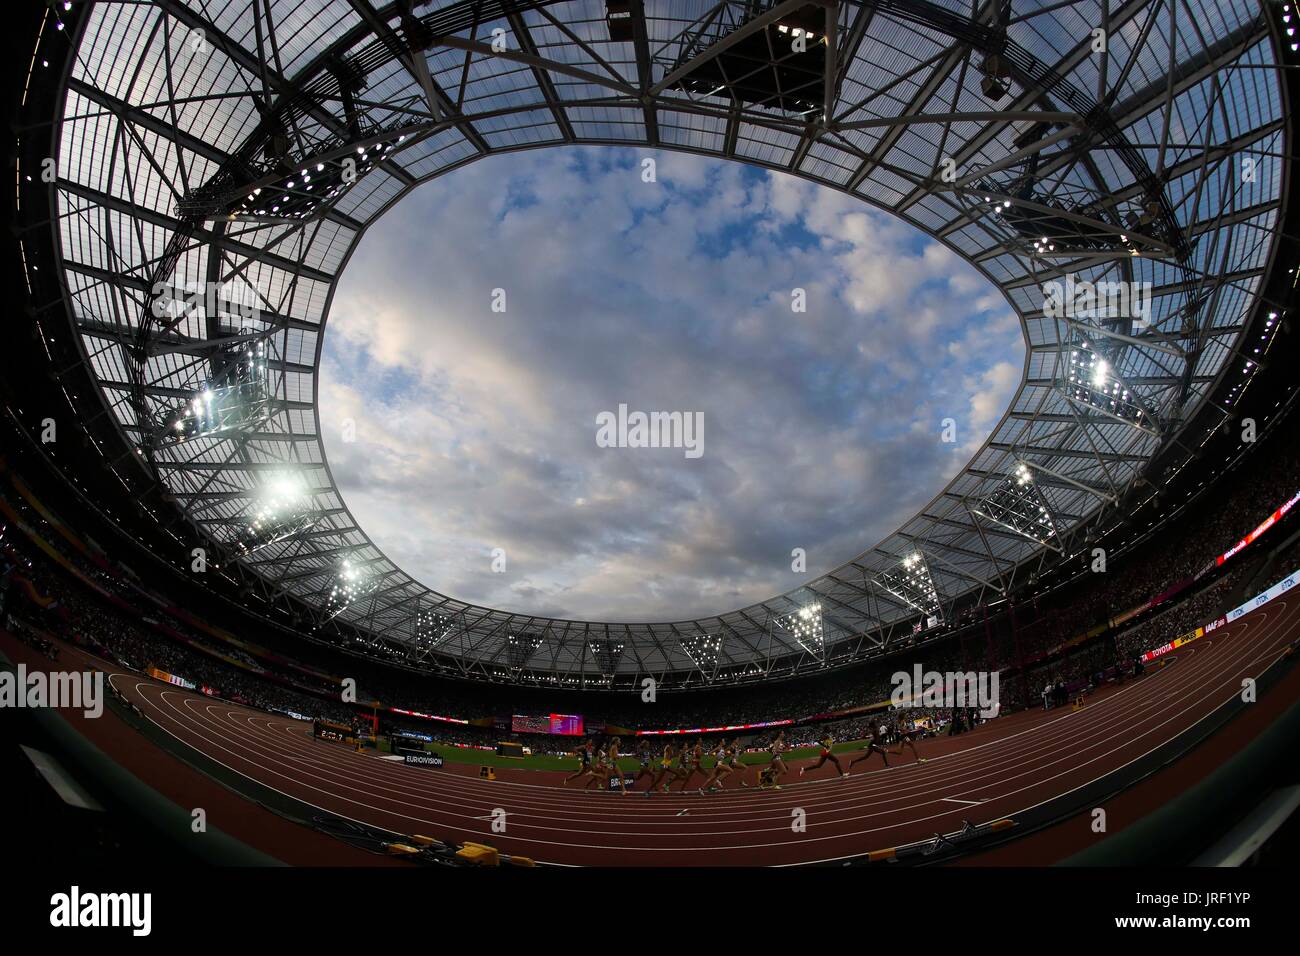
[[1022, 762]]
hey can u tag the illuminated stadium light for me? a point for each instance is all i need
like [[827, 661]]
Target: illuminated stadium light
[[291, 190], [606, 653], [282, 511], [1079, 222], [806, 626], [1090, 380], [431, 628], [703, 649], [519, 648], [910, 581], [351, 583], [236, 398], [1018, 505], [282, 176], [778, 67]]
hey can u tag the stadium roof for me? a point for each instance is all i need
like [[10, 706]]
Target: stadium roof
[[190, 131]]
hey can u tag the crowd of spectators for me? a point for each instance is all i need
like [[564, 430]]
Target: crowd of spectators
[[1026, 642]]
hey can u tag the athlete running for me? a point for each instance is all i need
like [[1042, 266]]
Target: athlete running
[[721, 768], [583, 753], [617, 774], [904, 731], [826, 755], [666, 769], [599, 770], [692, 758], [645, 755], [775, 768], [875, 745]]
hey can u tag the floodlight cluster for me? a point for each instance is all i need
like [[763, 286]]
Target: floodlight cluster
[[1018, 505], [287, 191], [1092, 381], [350, 583], [703, 649], [431, 628], [1059, 222], [911, 581], [282, 512], [806, 626], [797, 32], [1250, 365], [606, 654], [236, 397], [520, 647]]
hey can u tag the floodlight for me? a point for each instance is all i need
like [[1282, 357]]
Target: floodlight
[[235, 398], [703, 649], [520, 647], [606, 654], [431, 628], [351, 582], [911, 581], [1018, 504], [1091, 381], [806, 626], [282, 510]]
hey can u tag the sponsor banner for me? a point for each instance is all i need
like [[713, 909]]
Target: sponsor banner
[[1259, 600], [1173, 645], [410, 735], [612, 782], [1286, 584], [714, 730], [169, 678], [416, 713], [1267, 523], [413, 758]]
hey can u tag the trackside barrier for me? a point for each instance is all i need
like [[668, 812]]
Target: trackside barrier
[[125, 793], [1174, 834]]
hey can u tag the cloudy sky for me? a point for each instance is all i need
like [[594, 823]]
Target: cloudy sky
[[476, 429]]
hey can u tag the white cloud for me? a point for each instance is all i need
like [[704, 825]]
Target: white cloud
[[476, 429]]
